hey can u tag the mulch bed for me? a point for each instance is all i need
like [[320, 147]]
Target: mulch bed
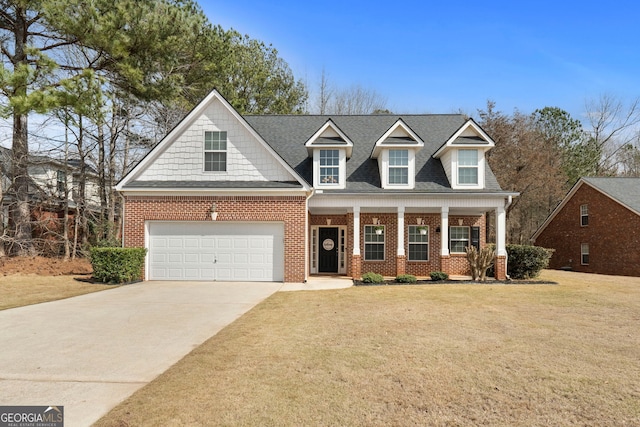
[[458, 282]]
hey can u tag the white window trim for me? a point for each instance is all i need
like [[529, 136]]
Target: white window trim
[[205, 151], [584, 213], [409, 243], [583, 253], [384, 242], [342, 165], [468, 240], [383, 165], [315, 250], [456, 173]]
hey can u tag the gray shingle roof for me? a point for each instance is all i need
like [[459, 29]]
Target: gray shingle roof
[[624, 190], [288, 134]]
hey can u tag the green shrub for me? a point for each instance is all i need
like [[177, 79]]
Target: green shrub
[[117, 265], [371, 277], [439, 275], [406, 278], [526, 262]]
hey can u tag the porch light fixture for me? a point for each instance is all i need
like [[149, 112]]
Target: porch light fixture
[[214, 214]]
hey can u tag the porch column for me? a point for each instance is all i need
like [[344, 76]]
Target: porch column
[[400, 255], [501, 247], [444, 239], [356, 264]]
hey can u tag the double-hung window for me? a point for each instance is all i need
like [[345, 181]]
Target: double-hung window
[[374, 242], [329, 166], [215, 151], [61, 183], [399, 167], [584, 254], [458, 239], [418, 243], [584, 215], [468, 167]]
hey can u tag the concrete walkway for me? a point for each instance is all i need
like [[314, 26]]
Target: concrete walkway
[[90, 352]]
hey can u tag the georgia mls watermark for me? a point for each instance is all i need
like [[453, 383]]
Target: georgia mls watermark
[[31, 416]]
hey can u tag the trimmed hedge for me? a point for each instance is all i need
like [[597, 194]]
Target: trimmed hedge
[[526, 262], [439, 275], [372, 278], [406, 278], [117, 265]]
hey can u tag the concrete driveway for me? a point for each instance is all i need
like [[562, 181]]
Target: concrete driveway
[[90, 352]]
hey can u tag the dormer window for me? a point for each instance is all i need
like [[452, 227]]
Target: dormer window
[[398, 167], [463, 157], [330, 149], [396, 152], [329, 166], [468, 167]]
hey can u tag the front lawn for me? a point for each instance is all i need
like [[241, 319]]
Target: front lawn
[[17, 290], [454, 355]]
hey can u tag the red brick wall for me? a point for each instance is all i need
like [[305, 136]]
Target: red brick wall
[[289, 209], [613, 235], [458, 263]]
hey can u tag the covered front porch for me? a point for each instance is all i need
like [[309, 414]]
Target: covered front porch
[[392, 236]]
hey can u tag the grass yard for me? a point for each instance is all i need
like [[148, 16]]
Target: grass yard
[[18, 290], [442, 355]]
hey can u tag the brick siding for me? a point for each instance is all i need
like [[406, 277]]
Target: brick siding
[[613, 235], [290, 209], [392, 265]]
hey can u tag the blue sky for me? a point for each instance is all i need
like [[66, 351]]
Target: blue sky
[[440, 57]]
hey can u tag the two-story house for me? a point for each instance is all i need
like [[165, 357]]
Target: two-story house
[[277, 198]]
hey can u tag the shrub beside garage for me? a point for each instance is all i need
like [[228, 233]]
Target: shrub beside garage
[[117, 265]]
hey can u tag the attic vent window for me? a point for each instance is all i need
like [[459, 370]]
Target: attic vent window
[[215, 151]]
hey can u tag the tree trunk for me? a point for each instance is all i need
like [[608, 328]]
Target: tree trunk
[[21, 212]]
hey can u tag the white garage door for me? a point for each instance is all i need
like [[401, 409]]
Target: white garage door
[[221, 251]]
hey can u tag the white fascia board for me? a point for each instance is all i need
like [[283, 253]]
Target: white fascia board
[[486, 200], [379, 145], [469, 123], [214, 192], [329, 124], [186, 122]]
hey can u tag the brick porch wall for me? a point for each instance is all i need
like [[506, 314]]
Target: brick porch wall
[[288, 209], [393, 265]]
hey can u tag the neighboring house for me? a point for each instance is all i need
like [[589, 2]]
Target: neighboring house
[[53, 181], [596, 228], [52, 185], [277, 198]]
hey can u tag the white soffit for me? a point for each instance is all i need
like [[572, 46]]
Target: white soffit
[[468, 132], [329, 136], [399, 135]]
